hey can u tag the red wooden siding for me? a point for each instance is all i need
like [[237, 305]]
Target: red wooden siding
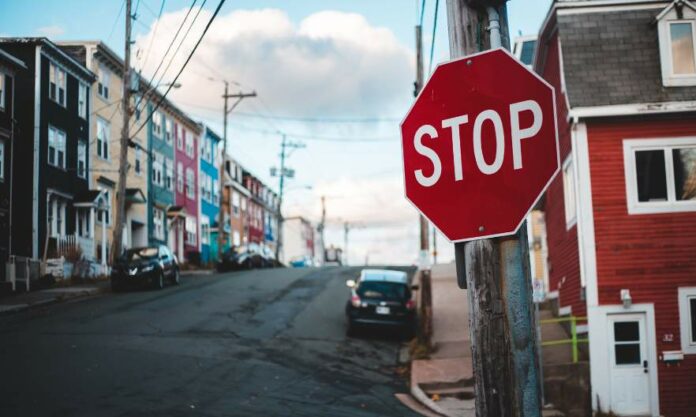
[[563, 256], [649, 254]]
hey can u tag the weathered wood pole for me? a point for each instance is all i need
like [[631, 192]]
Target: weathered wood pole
[[502, 322]]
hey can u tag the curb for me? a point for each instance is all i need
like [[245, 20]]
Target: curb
[[197, 272], [59, 297], [423, 398]]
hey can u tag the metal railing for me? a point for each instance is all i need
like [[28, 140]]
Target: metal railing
[[574, 340]]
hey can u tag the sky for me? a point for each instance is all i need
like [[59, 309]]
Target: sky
[[333, 75]]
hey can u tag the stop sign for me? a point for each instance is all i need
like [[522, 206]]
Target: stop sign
[[480, 145]]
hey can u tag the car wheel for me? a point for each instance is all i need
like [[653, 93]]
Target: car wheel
[[158, 281], [175, 278]]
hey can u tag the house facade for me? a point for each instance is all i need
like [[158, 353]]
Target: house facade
[[106, 128], [52, 159], [621, 217], [298, 239], [209, 191], [239, 201], [186, 137], [255, 210], [9, 67]]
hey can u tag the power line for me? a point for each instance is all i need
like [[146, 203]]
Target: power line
[[118, 16], [422, 12], [195, 47], [167, 51], [432, 40], [343, 139], [154, 33]]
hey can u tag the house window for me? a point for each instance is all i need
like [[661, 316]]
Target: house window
[[103, 82], [569, 192], [137, 105], [189, 146], [216, 192], [168, 131], [660, 175], [157, 124], [169, 174], [103, 133], [56, 147], [158, 223], [687, 319], [235, 203], [677, 36], [236, 238], [138, 161], [82, 101], [179, 178], [2, 91], [205, 230], [190, 184], [82, 159], [180, 133], [191, 231], [2, 160], [157, 160], [56, 84], [106, 213]]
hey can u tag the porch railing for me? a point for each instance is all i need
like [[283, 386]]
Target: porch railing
[[574, 340]]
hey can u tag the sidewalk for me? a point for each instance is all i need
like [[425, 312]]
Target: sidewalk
[[444, 382], [12, 303]]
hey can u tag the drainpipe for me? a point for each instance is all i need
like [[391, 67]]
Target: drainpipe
[[12, 149]]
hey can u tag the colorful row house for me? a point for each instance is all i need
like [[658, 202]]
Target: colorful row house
[[621, 216], [209, 209]]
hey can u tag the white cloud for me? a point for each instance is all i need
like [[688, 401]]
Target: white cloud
[[50, 31], [331, 63]]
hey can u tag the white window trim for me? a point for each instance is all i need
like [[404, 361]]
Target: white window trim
[[82, 94], [2, 160], [82, 142], [51, 66], [108, 193], [3, 88], [686, 293], [669, 79], [570, 222], [65, 149], [105, 141], [104, 75], [630, 146]]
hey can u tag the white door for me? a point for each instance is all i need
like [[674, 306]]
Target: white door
[[628, 360]]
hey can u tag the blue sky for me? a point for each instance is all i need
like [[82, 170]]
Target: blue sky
[[321, 59]]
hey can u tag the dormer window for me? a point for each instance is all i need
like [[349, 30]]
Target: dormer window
[[676, 27]]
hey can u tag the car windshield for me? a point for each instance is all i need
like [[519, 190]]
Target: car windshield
[[382, 290], [140, 253]]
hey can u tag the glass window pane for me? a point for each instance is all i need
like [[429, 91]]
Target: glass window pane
[[685, 173], [527, 53], [651, 175], [627, 354], [682, 38], [626, 331], [692, 305]]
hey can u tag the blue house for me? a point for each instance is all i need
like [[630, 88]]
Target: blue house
[[210, 194], [160, 176]]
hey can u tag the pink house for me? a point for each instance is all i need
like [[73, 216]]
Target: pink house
[[186, 191]]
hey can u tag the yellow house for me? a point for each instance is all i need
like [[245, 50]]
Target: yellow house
[[104, 150]]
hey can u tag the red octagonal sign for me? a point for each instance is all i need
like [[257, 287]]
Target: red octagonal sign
[[480, 145]]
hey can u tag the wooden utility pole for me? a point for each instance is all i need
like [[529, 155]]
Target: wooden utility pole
[[225, 149], [418, 85], [116, 243], [321, 227], [496, 271], [284, 172]]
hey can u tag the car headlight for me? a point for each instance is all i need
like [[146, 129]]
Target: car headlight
[[147, 268]]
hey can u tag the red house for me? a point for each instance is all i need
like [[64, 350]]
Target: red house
[[186, 137], [621, 219]]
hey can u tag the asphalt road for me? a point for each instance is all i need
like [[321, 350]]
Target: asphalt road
[[258, 343]]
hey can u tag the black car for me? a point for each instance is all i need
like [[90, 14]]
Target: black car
[[381, 297], [243, 257], [146, 266]]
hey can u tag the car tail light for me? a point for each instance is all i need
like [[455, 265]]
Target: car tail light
[[355, 301], [411, 304]]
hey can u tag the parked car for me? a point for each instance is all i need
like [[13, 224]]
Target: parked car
[[150, 265], [381, 297], [242, 257]]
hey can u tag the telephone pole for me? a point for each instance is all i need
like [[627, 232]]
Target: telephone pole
[[418, 85], [496, 271], [116, 243], [346, 229], [320, 228], [284, 146], [226, 111]]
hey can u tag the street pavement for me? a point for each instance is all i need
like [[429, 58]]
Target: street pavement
[[255, 343]]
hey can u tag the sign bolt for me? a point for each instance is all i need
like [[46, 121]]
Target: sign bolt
[[481, 228]]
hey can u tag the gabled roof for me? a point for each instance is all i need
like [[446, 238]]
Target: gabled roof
[[56, 53], [674, 4], [10, 60], [609, 57]]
